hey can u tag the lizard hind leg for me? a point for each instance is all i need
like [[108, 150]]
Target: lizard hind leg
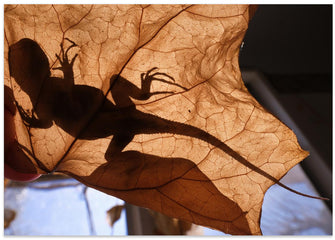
[[118, 143]]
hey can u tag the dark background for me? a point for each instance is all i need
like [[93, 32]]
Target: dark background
[[292, 46], [289, 39]]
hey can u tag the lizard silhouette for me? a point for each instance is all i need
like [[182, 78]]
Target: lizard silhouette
[[72, 106], [61, 101]]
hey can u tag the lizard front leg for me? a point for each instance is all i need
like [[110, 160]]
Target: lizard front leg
[[148, 77], [66, 64], [32, 121]]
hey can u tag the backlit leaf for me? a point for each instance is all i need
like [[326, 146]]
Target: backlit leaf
[[146, 103]]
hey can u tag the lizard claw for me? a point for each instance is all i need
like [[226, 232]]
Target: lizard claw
[[63, 56]]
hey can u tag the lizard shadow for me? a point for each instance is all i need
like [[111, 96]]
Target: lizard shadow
[[71, 106]]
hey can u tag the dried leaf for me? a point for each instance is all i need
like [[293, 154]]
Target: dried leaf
[[147, 103], [9, 216], [114, 214]]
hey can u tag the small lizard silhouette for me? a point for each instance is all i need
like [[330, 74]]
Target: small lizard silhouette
[[72, 106]]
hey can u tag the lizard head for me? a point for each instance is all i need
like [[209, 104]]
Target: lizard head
[[28, 64]]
